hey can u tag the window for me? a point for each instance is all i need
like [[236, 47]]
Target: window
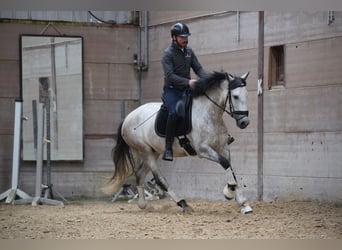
[[276, 75]]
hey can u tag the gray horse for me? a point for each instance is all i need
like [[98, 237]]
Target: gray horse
[[212, 96]]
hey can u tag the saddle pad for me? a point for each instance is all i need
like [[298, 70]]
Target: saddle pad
[[184, 125]]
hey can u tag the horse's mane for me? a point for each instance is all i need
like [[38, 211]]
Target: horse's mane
[[208, 82]]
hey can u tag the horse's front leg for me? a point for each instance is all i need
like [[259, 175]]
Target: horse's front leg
[[232, 189]]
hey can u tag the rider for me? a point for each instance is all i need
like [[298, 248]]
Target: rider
[[177, 61]]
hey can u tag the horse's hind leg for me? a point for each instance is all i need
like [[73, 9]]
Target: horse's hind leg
[[162, 183], [140, 176]]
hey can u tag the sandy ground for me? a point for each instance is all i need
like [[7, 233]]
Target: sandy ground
[[162, 219]]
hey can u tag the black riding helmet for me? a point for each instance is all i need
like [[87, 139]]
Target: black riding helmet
[[180, 29]]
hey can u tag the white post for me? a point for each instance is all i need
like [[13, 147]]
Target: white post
[[13, 191]]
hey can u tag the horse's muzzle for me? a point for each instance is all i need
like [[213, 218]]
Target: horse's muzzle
[[242, 120]]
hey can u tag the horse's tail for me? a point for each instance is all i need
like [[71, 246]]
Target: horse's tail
[[123, 163]]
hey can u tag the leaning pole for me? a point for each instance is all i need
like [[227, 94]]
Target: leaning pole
[[260, 174]]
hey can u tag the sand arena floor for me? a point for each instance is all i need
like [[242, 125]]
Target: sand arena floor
[[162, 219]]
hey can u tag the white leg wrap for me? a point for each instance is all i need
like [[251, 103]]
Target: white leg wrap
[[239, 197], [229, 192]]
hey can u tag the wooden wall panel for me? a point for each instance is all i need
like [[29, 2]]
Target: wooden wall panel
[[300, 188], [123, 82], [170, 17], [152, 83], [311, 155], [6, 150], [96, 79], [7, 107], [101, 117], [70, 184], [98, 154], [10, 79], [10, 42], [303, 110], [109, 45], [298, 26], [314, 63], [110, 81]]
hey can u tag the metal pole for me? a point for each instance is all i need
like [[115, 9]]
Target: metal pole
[[48, 148], [260, 181], [35, 122], [40, 153]]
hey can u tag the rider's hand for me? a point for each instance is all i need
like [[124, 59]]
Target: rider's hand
[[192, 82]]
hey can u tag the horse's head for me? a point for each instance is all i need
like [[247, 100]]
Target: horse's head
[[232, 97], [237, 95]]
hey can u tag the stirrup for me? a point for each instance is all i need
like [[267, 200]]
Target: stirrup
[[168, 155]]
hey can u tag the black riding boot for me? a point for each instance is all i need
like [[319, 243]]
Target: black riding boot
[[169, 137]]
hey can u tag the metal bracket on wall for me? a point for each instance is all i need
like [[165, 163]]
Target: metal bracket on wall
[[331, 17], [53, 26]]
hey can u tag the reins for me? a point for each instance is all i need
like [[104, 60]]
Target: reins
[[223, 109], [228, 98]]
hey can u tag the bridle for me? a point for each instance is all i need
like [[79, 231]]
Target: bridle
[[231, 86]]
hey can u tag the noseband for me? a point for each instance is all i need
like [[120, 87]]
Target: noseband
[[231, 85]]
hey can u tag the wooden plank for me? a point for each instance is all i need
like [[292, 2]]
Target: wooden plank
[[314, 63], [101, 117], [7, 106], [10, 82], [304, 109]]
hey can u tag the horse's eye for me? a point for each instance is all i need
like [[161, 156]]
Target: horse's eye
[[235, 97]]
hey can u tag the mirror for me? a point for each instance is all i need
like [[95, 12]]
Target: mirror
[[52, 73]]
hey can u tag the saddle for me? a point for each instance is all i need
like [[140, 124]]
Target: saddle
[[184, 127]]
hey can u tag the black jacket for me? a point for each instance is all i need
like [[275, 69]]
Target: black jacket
[[177, 65]]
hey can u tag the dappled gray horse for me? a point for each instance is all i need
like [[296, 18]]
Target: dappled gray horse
[[212, 96]]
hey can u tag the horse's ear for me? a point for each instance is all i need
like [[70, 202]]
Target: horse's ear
[[231, 77], [244, 76]]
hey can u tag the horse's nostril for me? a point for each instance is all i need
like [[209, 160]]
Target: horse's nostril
[[243, 123]]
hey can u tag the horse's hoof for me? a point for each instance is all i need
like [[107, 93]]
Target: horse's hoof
[[188, 210], [142, 204], [182, 204], [246, 209]]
